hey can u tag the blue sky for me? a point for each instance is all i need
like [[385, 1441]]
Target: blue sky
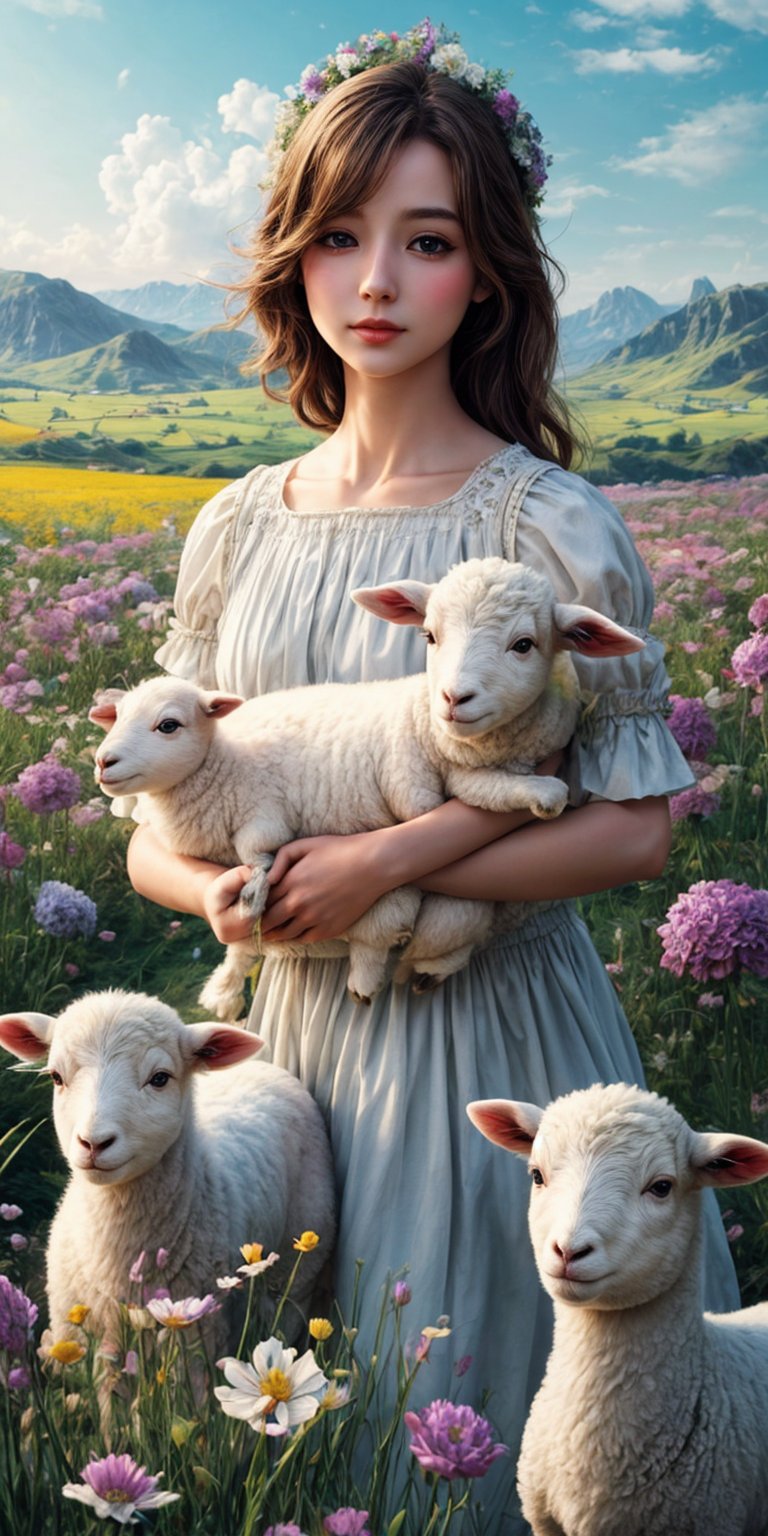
[[133, 130]]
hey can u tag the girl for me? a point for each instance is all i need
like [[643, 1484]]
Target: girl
[[399, 280]]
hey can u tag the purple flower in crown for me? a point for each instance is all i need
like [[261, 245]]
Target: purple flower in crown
[[453, 1440], [312, 84], [428, 45], [716, 928], [506, 106]]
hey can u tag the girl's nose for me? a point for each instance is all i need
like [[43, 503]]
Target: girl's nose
[[378, 282]]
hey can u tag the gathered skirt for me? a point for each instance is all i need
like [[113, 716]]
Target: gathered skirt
[[532, 1016]]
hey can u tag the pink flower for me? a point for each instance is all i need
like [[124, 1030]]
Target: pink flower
[[12, 855], [161, 1258], [18, 1242], [115, 1487], [734, 1232], [136, 1271], [10, 1212], [401, 1293], [347, 1522], [181, 1314], [131, 1367], [106, 936], [453, 1440], [758, 613]]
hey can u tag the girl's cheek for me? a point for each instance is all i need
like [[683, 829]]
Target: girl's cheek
[[448, 287]]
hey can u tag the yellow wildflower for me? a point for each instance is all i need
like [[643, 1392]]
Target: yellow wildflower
[[306, 1242], [320, 1328], [78, 1314], [66, 1351], [160, 1376], [181, 1429], [252, 1252], [435, 1333]]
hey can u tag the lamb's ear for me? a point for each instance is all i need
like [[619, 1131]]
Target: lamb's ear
[[27, 1035], [728, 1160], [507, 1122], [400, 602], [103, 711], [220, 704], [218, 1045], [590, 633]]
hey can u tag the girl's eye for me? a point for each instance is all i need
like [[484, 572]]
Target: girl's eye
[[428, 636], [159, 1079], [169, 726], [522, 646], [57, 1078], [537, 1175], [432, 245], [337, 240], [660, 1188]]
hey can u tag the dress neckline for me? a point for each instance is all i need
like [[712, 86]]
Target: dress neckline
[[434, 506]]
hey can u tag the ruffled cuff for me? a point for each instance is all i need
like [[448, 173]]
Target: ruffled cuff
[[189, 653], [622, 749]]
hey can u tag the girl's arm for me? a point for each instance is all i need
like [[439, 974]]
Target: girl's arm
[[189, 885], [322, 885]]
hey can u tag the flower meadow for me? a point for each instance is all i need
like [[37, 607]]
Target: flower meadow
[[298, 1437]]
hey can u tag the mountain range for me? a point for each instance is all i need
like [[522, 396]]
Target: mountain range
[[589, 334], [194, 306]]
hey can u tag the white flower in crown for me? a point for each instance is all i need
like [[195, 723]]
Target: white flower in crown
[[346, 60], [450, 59], [474, 75]]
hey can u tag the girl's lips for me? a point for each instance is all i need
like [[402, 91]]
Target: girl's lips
[[376, 335]]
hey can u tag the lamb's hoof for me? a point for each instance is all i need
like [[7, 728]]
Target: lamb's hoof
[[401, 939], [546, 812], [424, 982], [357, 997]]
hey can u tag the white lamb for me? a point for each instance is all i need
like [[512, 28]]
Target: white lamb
[[652, 1419], [231, 781], [166, 1151]]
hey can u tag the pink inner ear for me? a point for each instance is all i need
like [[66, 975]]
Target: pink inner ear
[[742, 1161], [393, 603], [103, 714], [591, 638], [17, 1037], [498, 1124], [227, 1045]]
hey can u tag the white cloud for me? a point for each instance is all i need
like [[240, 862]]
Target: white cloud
[[638, 10], [734, 211], [747, 15], [704, 145], [248, 108], [122, 79], [562, 201], [61, 9], [635, 61], [590, 21], [633, 229]]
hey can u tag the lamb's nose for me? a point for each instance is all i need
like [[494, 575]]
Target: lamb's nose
[[107, 759], [571, 1255], [93, 1146], [454, 699]]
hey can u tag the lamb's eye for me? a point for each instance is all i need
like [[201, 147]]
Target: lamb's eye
[[522, 646], [660, 1188], [428, 636], [537, 1175], [159, 1079], [169, 726], [57, 1078]]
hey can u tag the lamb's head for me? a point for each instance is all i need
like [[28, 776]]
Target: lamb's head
[[493, 629], [122, 1065], [158, 733], [616, 1177]]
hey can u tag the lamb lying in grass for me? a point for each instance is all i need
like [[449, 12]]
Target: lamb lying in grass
[[231, 781], [168, 1151], [652, 1419]]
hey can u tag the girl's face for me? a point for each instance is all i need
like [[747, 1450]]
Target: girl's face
[[388, 285]]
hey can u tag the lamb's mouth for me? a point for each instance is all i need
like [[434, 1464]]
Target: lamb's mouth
[[115, 783]]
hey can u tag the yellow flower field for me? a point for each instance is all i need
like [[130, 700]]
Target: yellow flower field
[[42, 500]]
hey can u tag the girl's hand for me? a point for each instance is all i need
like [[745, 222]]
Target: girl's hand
[[320, 886], [220, 905]]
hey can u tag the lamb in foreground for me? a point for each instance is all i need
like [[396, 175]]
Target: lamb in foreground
[[652, 1419], [231, 781], [168, 1151]]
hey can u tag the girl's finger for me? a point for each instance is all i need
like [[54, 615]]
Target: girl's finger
[[285, 858]]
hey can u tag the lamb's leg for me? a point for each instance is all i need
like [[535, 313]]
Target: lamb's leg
[[388, 924], [253, 896], [223, 994], [493, 789], [447, 931]]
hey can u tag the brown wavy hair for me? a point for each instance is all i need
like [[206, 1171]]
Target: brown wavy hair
[[504, 353]]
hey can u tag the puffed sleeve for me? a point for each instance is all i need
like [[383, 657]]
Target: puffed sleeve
[[622, 749], [190, 649]]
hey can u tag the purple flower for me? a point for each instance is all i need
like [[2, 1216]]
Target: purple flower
[[693, 802], [18, 1316], [283, 1530], [692, 726], [715, 928], [47, 786], [401, 1293], [312, 85], [10, 1212], [12, 855], [452, 1440], [136, 1271], [18, 1378], [115, 1486], [462, 1366], [18, 1242], [758, 614], [181, 1314], [506, 106], [347, 1522], [750, 661], [65, 912]]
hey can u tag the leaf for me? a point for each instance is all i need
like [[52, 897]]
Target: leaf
[[396, 1524]]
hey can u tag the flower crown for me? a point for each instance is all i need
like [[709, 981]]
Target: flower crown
[[440, 52]]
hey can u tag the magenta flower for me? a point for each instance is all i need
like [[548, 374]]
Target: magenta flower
[[115, 1486], [506, 106], [750, 661], [347, 1522], [693, 802], [716, 928], [136, 1271], [692, 726], [452, 1440], [401, 1293], [65, 912], [758, 613], [18, 1316], [12, 855], [47, 786]]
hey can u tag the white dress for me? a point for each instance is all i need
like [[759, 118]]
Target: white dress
[[263, 603]]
